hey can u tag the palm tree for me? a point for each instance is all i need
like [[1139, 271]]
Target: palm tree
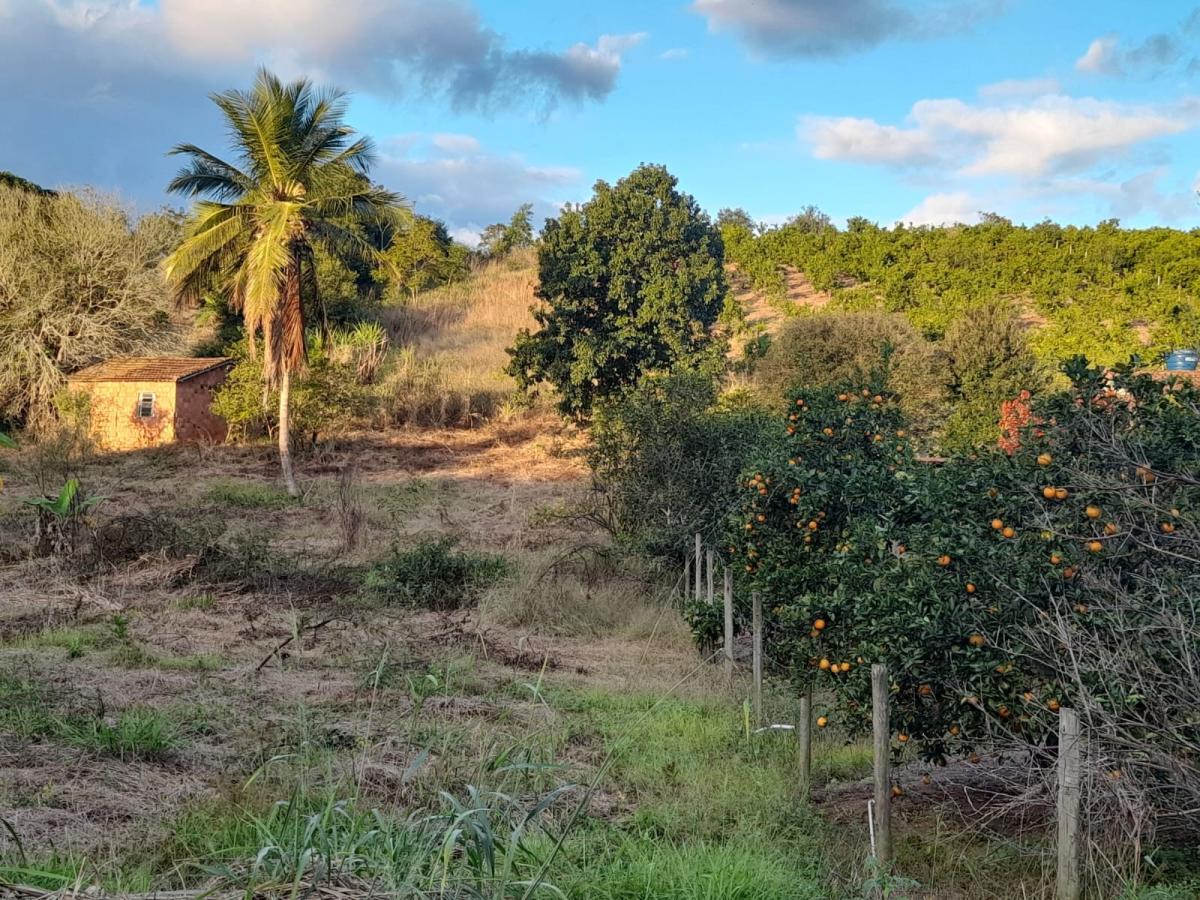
[[300, 180]]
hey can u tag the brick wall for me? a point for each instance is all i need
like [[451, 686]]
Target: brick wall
[[115, 423], [194, 418]]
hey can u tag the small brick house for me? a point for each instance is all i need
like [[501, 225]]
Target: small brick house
[[149, 401]]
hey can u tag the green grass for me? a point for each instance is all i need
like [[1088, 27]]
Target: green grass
[[248, 495], [204, 602], [76, 641], [138, 731], [29, 711]]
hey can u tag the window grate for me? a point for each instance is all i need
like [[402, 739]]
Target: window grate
[[145, 408]]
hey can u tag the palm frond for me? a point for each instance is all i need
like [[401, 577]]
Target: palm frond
[[208, 174]]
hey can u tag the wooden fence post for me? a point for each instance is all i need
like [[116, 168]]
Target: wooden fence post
[[757, 626], [699, 564], [729, 627], [711, 559], [804, 736], [881, 725], [1069, 795], [687, 576]]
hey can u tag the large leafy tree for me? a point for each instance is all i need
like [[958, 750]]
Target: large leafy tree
[[299, 181], [633, 282]]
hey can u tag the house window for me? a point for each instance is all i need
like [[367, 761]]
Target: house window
[[145, 407]]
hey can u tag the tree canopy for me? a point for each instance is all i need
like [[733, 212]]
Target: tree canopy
[[633, 282]]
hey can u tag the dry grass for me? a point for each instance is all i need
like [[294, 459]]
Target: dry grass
[[582, 593], [449, 369]]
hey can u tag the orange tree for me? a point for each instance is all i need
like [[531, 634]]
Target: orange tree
[[952, 573]]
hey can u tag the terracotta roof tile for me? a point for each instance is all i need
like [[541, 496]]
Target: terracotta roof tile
[[149, 368]]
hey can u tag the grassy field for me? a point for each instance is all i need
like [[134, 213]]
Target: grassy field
[[428, 677], [241, 700]]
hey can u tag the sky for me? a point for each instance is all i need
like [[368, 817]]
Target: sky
[[922, 111]]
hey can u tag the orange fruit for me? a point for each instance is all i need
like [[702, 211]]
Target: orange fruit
[[970, 588], [845, 667], [977, 640], [1004, 712], [897, 791], [1044, 459], [1052, 705], [1055, 559], [1009, 531], [997, 524], [812, 525], [828, 432], [1167, 528], [819, 625], [1110, 528], [1070, 571], [1093, 512], [1146, 475], [925, 779], [1081, 608], [824, 664], [944, 560], [954, 730], [761, 517], [1048, 492], [1095, 546], [902, 738], [822, 721], [925, 690], [1061, 493]]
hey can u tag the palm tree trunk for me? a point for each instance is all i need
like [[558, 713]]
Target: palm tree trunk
[[285, 432]]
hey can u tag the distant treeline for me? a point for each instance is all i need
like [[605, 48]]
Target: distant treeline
[[1106, 292]]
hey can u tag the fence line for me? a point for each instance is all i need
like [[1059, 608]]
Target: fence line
[[1069, 787]]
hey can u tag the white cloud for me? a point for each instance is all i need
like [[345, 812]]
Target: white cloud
[[1156, 54], [1100, 57], [866, 141], [1049, 134], [1013, 88], [455, 143], [467, 185], [674, 53], [1042, 136], [944, 209]]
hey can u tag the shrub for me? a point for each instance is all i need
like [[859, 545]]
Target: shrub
[[332, 394], [435, 575], [665, 459], [834, 347], [987, 361]]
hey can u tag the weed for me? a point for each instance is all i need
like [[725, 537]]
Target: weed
[[204, 602], [248, 495], [137, 732], [76, 641], [435, 575]]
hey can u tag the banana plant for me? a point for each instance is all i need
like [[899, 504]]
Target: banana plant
[[67, 503]]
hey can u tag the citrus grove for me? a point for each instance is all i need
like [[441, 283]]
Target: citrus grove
[[996, 588]]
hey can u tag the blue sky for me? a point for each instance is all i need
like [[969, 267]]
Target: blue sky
[[914, 110]]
